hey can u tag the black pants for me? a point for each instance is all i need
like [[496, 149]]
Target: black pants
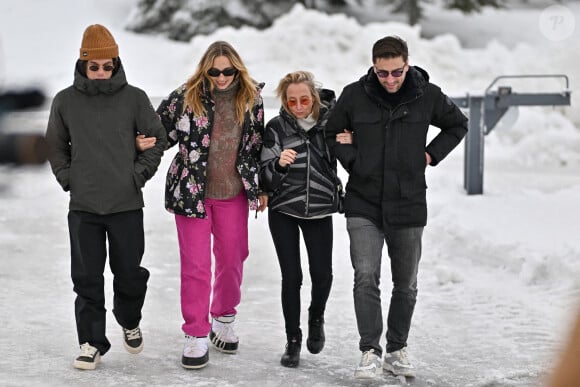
[[317, 235], [88, 235]]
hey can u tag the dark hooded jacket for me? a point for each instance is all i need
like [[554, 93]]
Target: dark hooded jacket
[[307, 187], [91, 136], [386, 162]]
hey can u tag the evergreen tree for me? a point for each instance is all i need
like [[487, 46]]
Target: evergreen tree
[[414, 10], [183, 19]]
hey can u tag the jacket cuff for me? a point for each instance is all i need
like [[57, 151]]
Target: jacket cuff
[[280, 168]]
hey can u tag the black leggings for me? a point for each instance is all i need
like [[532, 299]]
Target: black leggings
[[317, 235]]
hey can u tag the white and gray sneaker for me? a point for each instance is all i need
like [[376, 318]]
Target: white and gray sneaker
[[398, 363], [222, 334], [369, 366], [195, 352], [88, 359], [133, 340]]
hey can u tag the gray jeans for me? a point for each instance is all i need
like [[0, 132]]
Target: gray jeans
[[404, 248]]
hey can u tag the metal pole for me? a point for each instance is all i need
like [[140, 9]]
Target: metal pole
[[473, 165]]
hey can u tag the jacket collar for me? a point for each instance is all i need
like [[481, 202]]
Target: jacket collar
[[100, 86]]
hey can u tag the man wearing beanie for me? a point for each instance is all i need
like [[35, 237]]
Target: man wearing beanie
[[91, 136]]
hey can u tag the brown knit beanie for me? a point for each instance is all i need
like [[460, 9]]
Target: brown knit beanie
[[98, 43]]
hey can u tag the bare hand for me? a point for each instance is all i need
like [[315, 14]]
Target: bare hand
[[263, 198], [143, 143], [287, 157], [345, 137]]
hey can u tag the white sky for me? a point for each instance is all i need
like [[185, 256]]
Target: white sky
[[499, 280]]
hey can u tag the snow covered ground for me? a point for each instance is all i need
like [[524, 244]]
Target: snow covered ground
[[500, 275]]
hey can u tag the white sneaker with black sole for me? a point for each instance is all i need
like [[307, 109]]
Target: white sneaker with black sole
[[133, 340], [369, 366], [88, 359], [398, 363], [222, 334], [195, 352]]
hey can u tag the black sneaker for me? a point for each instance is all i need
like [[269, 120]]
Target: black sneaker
[[88, 359], [315, 341], [133, 340], [291, 356]]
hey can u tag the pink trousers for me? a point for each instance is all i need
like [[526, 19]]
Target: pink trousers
[[227, 221]]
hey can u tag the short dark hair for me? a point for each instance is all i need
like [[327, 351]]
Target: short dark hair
[[390, 47]]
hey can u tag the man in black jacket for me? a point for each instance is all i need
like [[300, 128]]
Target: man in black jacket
[[389, 111]]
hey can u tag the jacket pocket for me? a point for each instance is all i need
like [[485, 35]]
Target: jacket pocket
[[364, 118], [413, 186]]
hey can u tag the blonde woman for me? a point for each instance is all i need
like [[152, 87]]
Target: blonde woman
[[217, 120], [300, 177]]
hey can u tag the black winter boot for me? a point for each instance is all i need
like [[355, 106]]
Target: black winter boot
[[291, 356], [315, 341]]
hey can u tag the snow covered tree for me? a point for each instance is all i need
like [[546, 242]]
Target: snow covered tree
[[183, 19], [414, 10]]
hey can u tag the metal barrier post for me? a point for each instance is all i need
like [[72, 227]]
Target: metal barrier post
[[484, 113], [473, 158]]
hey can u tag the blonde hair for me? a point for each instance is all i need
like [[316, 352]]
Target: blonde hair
[[296, 77], [246, 95]]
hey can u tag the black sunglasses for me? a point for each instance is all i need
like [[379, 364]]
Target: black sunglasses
[[395, 73], [213, 72], [107, 67]]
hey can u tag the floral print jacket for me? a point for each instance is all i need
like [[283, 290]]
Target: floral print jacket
[[186, 178]]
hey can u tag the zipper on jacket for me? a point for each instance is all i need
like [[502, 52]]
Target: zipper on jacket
[[306, 212], [392, 114]]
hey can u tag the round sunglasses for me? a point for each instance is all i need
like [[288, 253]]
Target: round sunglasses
[[304, 101]]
